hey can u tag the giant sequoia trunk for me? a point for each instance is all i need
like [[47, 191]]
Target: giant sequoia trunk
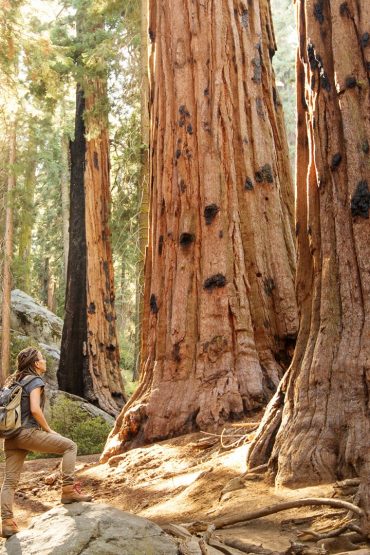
[[219, 304], [89, 364], [317, 427]]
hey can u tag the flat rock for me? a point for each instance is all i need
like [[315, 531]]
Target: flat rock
[[89, 529]]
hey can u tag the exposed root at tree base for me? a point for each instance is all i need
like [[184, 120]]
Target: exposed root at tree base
[[228, 521]]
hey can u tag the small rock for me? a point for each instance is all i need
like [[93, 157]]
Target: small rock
[[51, 479]]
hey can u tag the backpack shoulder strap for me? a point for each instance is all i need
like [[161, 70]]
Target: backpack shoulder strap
[[28, 379]]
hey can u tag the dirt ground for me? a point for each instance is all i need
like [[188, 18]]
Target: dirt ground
[[180, 481]]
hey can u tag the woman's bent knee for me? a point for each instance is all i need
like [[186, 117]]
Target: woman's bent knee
[[71, 446]]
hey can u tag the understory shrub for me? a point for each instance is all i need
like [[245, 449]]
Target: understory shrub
[[72, 421]]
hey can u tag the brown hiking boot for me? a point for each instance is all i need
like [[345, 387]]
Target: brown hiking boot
[[73, 494], [8, 527]]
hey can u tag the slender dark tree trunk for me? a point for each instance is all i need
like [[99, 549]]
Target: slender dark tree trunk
[[64, 178], [73, 357]]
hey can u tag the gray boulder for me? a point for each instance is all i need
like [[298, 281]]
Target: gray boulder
[[88, 529], [35, 321]]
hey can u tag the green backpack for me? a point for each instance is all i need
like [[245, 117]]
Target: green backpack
[[10, 407]]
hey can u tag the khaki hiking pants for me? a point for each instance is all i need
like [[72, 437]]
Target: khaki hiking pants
[[16, 449]]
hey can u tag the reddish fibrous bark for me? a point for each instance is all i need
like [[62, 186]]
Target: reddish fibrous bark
[[317, 428], [219, 303], [104, 381]]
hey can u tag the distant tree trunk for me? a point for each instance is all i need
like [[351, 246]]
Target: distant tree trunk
[[89, 364], [50, 288], [317, 427], [64, 178], [8, 256], [26, 219], [219, 304], [102, 344], [143, 189], [45, 280]]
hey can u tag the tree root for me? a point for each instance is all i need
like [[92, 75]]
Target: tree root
[[349, 482], [350, 527], [256, 470], [244, 547], [236, 436], [272, 509]]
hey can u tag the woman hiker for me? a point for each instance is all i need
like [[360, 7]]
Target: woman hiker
[[35, 434]]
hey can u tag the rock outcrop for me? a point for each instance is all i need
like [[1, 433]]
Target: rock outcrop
[[33, 320], [88, 529]]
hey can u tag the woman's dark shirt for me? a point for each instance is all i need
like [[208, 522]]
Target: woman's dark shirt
[[27, 419]]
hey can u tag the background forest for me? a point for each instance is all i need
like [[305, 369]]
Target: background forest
[[40, 60]]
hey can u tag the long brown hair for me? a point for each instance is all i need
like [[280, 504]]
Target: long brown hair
[[25, 365]]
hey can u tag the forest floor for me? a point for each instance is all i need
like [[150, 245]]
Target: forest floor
[[180, 481]]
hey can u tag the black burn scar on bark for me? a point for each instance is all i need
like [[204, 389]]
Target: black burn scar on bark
[[351, 82], [318, 11], [176, 352], [335, 161], [360, 203], [315, 62], [160, 245], [248, 184], [214, 282], [153, 304], [344, 9], [210, 212], [186, 239], [269, 286], [264, 174], [365, 40], [257, 65]]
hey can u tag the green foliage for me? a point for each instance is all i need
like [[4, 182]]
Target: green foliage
[[70, 420], [283, 12]]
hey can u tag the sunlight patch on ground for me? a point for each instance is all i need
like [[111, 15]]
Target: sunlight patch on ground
[[181, 480], [236, 459]]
